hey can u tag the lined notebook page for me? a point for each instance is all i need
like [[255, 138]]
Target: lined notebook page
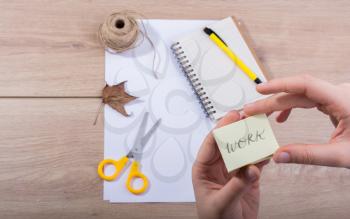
[[225, 84]]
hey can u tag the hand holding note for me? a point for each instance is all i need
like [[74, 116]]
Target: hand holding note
[[220, 194], [309, 92]]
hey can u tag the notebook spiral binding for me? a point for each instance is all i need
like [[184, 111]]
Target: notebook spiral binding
[[192, 77]]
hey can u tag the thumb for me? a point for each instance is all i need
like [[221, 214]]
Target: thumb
[[325, 155], [238, 185]]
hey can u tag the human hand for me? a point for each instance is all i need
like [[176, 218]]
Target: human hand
[[309, 92], [220, 194]]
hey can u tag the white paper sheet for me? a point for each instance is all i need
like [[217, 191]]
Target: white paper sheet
[[169, 154]]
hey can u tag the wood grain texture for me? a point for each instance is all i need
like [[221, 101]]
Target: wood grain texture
[[50, 48], [49, 149], [48, 156]]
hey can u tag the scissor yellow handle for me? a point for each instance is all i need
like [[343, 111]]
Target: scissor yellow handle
[[118, 164], [135, 173]]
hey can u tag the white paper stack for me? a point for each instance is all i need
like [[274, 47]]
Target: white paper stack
[[169, 155]]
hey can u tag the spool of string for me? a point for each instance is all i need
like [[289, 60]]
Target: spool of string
[[120, 31]]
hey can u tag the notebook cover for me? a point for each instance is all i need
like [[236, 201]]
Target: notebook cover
[[220, 85]]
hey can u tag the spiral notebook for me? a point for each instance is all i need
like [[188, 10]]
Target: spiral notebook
[[219, 84]]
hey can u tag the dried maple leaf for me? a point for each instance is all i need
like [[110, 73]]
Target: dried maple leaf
[[116, 97]]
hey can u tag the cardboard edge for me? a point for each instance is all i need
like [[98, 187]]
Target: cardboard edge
[[249, 41]]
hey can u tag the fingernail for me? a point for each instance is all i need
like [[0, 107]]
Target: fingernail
[[282, 157], [251, 175]]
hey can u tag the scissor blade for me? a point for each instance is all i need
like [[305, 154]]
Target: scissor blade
[[139, 135], [137, 150], [145, 138]]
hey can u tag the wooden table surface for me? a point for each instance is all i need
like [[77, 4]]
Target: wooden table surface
[[52, 72]]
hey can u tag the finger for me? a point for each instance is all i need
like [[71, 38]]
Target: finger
[[283, 116], [315, 89], [259, 165], [244, 116], [230, 117], [263, 163], [278, 102], [208, 149], [325, 155], [238, 185]]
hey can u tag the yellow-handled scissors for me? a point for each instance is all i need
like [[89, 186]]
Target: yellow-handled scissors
[[136, 154]]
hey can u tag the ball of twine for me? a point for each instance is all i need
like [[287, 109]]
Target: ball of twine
[[119, 32]]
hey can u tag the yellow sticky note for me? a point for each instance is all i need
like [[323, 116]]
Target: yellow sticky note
[[247, 141]]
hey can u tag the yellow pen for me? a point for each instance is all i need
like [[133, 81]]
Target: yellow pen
[[223, 46]]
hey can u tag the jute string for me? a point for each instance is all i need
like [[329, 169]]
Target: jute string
[[120, 32]]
